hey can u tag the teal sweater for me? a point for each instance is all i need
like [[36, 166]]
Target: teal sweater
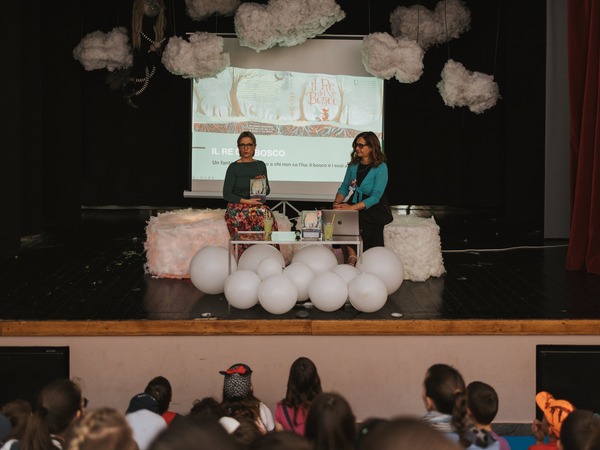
[[237, 179], [372, 187]]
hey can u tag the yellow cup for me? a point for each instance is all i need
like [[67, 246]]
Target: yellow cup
[[328, 231], [268, 225]]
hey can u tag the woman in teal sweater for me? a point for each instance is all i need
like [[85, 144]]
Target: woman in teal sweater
[[246, 212], [363, 189]]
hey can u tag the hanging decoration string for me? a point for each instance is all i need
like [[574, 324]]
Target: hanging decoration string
[[497, 37], [418, 19], [446, 24]]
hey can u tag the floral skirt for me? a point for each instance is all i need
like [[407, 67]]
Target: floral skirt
[[240, 217]]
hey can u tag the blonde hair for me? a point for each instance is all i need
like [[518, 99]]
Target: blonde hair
[[100, 429]]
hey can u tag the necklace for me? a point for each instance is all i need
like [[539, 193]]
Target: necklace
[[147, 38], [362, 167]]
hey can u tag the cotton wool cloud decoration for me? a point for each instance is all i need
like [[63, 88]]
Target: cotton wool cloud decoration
[[385, 57], [98, 50], [201, 9], [283, 22], [461, 87], [201, 57], [448, 20]]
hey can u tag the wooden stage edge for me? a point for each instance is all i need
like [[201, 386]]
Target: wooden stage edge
[[209, 327]]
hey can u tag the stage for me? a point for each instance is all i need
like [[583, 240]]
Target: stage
[[90, 279]]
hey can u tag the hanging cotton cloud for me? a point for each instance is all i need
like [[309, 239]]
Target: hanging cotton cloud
[[448, 21], [385, 57], [283, 22], [201, 57], [201, 9], [100, 50], [460, 87]]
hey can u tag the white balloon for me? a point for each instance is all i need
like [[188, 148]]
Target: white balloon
[[301, 275], [254, 254], [328, 291], [209, 270], [241, 289], [277, 294], [384, 263], [318, 257], [346, 271], [367, 292], [269, 266]]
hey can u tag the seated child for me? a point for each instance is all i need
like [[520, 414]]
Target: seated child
[[555, 412], [482, 407]]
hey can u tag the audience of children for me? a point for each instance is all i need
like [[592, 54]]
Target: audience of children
[[303, 386], [457, 417]]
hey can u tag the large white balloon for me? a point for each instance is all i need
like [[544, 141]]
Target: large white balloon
[[346, 271], [269, 266], [318, 257], [254, 254], [328, 291], [241, 289], [301, 275], [367, 292], [384, 263], [209, 270], [277, 294]]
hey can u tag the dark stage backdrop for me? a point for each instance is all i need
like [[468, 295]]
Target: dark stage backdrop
[[98, 151]]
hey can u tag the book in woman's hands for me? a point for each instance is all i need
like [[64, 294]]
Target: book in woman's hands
[[258, 189]]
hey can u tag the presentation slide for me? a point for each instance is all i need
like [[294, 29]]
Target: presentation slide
[[304, 124]]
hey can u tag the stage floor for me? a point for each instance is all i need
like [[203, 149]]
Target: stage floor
[[93, 274]]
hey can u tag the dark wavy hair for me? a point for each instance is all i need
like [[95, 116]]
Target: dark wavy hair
[[303, 385], [330, 423], [160, 389], [445, 386], [377, 156]]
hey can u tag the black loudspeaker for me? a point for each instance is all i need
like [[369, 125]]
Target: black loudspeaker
[[24, 371], [569, 372]]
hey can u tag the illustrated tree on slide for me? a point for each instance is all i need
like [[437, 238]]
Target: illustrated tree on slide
[[236, 77]]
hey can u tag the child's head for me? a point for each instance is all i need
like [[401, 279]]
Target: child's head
[[577, 429], [482, 402], [330, 422], [442, 385], [555, 411], [160, 389], [303, 384], [238, 383]]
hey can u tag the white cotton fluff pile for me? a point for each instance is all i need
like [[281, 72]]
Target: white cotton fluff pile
[[201, 9], [201, 57], [385, 57], [98, 50], [416, 241], [174, 237], [461, 87], [283, 22], [448, 21]]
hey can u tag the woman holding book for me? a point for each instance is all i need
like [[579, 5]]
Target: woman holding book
[[363, 189], [245, 188]]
